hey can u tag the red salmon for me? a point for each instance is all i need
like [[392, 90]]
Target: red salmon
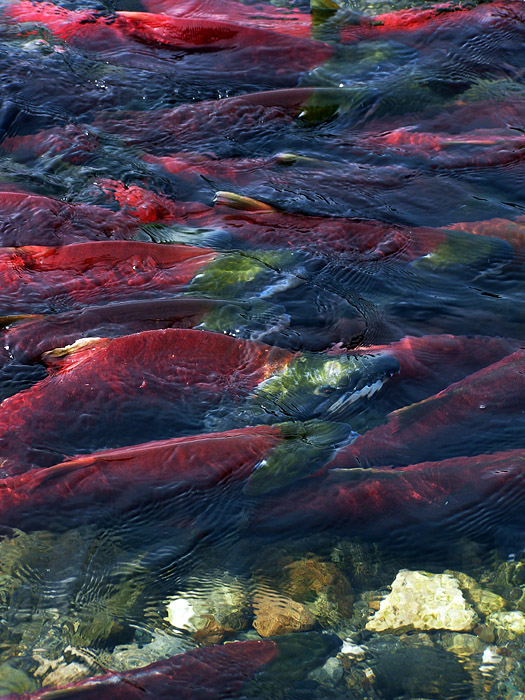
[[35, 279], [261, 226], [437, 22], [117, 480], [262, 16], [31, 219], [72, 144], [147, 386], [467, 495], [210, 673], [121, 38], [27, 338], [483, 408]]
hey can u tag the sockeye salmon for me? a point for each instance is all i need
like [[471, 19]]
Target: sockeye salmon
[[27, 338], [437, 22], [467, 496], [261, 225], [63, 496], [210, 673], [477, 406], [139, 38], [31, 219], [72, 144], [100, 391], [263, 16], [475, 149], [36, 279]]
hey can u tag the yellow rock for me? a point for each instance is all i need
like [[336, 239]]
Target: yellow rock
[[276, 614], [423, 601]]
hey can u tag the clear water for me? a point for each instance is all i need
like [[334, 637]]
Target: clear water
[[298, 252]]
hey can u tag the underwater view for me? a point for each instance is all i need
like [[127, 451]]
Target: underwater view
[[262, 370]]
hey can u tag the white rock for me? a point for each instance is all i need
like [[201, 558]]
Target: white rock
[[180, 613], [511, 623], [423, 601], [489, 660], [353, 650]]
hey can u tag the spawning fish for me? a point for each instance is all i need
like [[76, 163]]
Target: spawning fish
[[468, 496], [419, 23], [35, 278], [259, 224], [209, 673], [136, 38], [27, 338], [119, 479], [166, 383], [72, 144], [291, 22], [32, 219], [466, 417]]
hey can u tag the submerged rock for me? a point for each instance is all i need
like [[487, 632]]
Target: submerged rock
[[508, 625], [276, 615], [213, 610], [462, 644], [423, 601], [421, 672], [484, 601], [125, 657], [314, 582]]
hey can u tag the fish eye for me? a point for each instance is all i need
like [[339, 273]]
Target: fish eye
[[325, 390]]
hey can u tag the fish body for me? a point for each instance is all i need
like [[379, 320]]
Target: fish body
[[31, 219], [116, 392], [263, 16], [160, 384], [209, 673], [437, 22], [204, 123], [260, 225], [441, 356], [467, 416], [27, 339], [113, 481], [512, 231], [71, 144], [465, 495], [37, 278], [128, 37], [476, 149]]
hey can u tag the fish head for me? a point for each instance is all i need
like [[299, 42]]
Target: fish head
[[325, 387]]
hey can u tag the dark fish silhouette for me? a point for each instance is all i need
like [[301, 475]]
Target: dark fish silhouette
[[72, 144]]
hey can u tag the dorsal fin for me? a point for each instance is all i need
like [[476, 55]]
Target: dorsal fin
[[72, 355], [239, 201], [12, 319]]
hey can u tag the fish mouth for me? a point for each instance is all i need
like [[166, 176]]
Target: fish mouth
[[367, 380], [325, 388]]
